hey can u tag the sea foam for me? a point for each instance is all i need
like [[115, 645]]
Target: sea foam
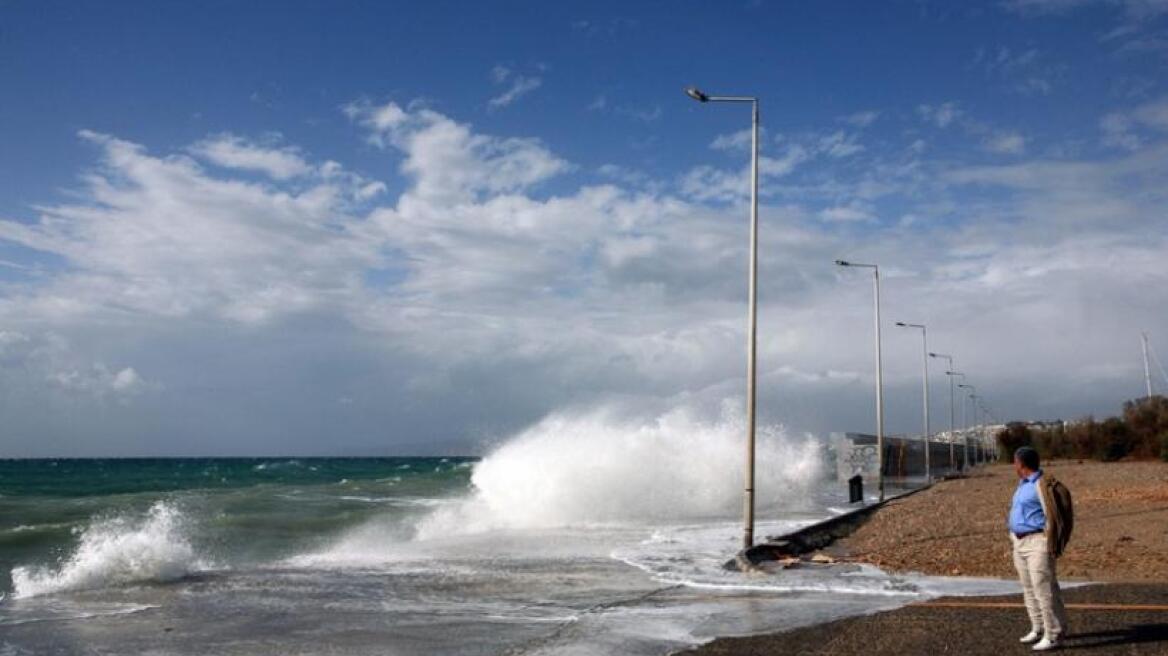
[[117, 551]]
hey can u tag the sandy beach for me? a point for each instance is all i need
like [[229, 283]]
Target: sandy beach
[[956, 528]]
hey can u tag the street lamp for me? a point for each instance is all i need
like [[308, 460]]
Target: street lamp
[[752, 311], [963, 421], [979, 431], [925, 377], [879, 371], [964, 436], [952, 428]]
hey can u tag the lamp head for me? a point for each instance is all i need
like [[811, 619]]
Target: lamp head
[[696, 94], [902, 324], [843, 263]]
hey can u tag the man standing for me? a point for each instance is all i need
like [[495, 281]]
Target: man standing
[[1038, 537]]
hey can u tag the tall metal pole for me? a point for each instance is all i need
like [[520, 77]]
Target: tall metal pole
[[1147, 372], [925, 386], [748, 529], [964, 437], [925, 379], [952, 429], [964, 421], [977, 430], [879, 383], [879, 372], [952, 425], [752, 311]]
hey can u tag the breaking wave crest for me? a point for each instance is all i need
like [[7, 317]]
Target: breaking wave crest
[[117, 551], [598, 468]]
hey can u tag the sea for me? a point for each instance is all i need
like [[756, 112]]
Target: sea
[[576, 536]]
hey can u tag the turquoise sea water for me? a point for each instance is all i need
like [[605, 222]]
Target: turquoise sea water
[[234, 510]]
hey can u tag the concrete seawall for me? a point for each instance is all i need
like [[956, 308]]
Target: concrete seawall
[[809, 538]]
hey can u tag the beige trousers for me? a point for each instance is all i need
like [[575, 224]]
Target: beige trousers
[[1040, 588]]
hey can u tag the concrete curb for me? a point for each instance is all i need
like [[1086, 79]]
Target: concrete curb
[[809, 538]]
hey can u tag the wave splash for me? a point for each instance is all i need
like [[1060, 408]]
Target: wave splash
[[600, 468], [118, 551]]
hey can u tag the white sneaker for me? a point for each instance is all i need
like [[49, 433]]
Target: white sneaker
[[1046, 644], [1033, 636]]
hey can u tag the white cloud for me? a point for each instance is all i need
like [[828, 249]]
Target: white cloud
[[50, 361], [449, 163], [846, 213], [1005, 143], [1122, 129], [707, 183], [839, 144], [941, 115], [160, 236], [739, 140], [518, 86], [518, 301], [230, 151], [126, 380], [861, 119]]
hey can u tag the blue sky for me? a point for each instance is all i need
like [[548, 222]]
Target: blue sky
[[371, 228]]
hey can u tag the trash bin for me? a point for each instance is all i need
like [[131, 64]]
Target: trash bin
[[855, 489]]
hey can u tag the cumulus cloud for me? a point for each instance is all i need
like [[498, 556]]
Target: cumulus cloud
[[478, 283], [448, 162], [159, 235], [50, 361]]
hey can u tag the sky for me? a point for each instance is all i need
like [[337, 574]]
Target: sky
[[366, 228]]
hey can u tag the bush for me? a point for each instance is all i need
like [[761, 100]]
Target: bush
[[1014, 435], [1142, 432]]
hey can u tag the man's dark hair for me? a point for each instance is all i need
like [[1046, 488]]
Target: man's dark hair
[[1028, 457]]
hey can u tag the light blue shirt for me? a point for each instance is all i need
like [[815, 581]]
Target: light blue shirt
[[1026, 514]]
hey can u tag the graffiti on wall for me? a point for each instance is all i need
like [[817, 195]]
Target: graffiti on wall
[[862, 459]]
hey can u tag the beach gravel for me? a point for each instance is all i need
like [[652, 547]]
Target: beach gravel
[[957, 528]]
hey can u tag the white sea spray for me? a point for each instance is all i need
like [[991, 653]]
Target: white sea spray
[[124, 549]]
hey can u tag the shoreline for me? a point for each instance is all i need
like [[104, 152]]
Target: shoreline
[[955, 528]]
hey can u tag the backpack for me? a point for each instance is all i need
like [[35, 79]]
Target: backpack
[[1060, 514]]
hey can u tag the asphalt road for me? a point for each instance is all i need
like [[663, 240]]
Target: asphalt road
[[1104, 620]]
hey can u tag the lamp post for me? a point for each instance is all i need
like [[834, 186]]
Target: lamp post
[[752, 311], [964, 437], [971, 396], [925, 378], [952, 428], [879, 371], [975, 427]]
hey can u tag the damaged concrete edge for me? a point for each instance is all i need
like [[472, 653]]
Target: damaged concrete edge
[[809, 538]]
